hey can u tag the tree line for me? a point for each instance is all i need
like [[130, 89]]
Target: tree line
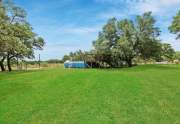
[[119, 43], [17, 39], [122, 41]]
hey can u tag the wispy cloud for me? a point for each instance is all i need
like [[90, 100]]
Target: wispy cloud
[[119, 1], [62, 39], [78, 30], [112, 13], [155, 6]]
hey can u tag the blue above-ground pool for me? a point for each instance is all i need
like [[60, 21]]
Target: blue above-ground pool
[[75, 64]]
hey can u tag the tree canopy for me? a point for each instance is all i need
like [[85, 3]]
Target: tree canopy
[[121, 41], [175, 27], [17, 39]]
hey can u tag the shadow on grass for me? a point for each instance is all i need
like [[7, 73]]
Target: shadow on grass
[[159, 67], [143, 67], [16, 72]]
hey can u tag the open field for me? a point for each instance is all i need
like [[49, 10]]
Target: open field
[[148, 94]]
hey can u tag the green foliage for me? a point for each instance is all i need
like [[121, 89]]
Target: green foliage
[[167, 52], [148, 44], [126, 44], [75, 56], [175, 27], [17, 39], [121, 41], [65, 58], [177, 55]]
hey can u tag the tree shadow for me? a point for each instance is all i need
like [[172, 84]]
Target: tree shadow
[[143, 67], [17, 72]]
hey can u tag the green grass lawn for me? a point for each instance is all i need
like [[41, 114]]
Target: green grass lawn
[[147, 94]]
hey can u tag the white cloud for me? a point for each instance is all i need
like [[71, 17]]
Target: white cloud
[[169, 2], [112, 13], [137, 7], [80, 30], [156, 6], [119, 1], [162, 2]]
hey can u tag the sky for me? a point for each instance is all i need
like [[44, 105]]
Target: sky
[[70, 25]]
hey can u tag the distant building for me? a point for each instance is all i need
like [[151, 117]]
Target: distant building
[[75, 64]]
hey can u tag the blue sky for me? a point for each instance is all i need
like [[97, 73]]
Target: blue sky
[[69, 25]]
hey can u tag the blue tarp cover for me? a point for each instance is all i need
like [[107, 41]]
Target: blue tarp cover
[[75, 64]]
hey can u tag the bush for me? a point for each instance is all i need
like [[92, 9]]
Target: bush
[[176, 61], [44, 64]]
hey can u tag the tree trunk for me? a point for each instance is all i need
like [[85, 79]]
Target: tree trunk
[[129, 62], [9, 64], [2, 64]]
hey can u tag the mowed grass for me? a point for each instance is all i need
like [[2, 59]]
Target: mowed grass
[[148, 94]]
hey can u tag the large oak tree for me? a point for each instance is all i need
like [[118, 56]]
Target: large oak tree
[[121, 41]]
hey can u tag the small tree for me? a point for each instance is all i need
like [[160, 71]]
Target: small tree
[[168, 52], [17, 38]]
